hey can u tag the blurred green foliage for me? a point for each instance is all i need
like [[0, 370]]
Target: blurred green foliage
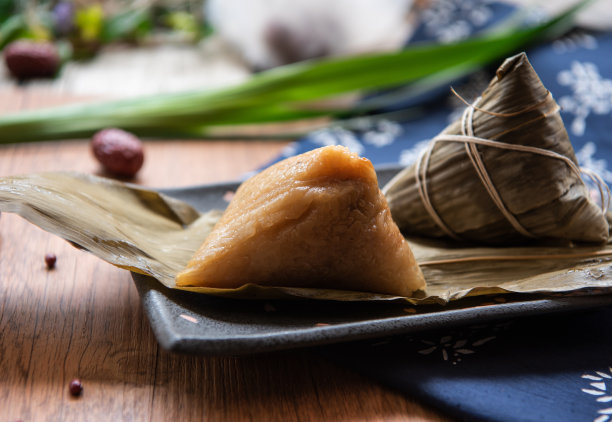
[[87, 26]]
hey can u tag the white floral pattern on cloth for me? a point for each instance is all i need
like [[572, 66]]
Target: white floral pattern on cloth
[[454, 346], [378, 133], [384, 133], [598, 388], [573, 41], [289, 150], [591, 93], [410, 155], [453, 349], [336, 135], [452, 20], [586, 158]]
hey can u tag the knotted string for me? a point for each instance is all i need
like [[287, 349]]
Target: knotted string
[[471, 142]]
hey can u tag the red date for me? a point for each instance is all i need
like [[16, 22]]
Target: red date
[[120, 153], [27, 59]]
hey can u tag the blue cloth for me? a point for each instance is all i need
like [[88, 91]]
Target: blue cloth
[[555, 368], [545, 369]]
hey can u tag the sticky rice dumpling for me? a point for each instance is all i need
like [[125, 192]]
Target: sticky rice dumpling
[[317, 220], [504, 173]]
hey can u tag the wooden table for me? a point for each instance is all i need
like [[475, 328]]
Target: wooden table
[[84, 320]]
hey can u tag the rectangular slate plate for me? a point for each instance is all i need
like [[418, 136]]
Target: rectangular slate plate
[[196, 323]]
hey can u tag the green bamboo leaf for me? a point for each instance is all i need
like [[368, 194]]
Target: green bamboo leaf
[[280, 94], [11, 28]]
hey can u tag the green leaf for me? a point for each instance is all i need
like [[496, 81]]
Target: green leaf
[[281, 94], [130, 24], [8, 8], [11, 29]]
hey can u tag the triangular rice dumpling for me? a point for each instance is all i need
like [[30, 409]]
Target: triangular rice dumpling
[[504, 173], [315, 220]]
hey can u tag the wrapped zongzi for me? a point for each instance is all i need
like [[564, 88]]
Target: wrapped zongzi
[[504, 173]]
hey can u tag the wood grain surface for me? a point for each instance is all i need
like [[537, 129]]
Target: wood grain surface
[[84, 320]]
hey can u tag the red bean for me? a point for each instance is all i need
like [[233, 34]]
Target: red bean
[[76, 387], [50, 260]]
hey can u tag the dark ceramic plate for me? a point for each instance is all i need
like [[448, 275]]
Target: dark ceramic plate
[[195, 323]]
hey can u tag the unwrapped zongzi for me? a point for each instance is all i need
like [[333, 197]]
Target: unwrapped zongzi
[[315, 220]]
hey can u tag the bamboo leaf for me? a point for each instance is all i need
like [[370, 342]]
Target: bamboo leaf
[[280, 94]]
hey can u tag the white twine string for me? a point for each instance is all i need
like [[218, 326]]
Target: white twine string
[[605, 196], [467, 130], [471, 142]]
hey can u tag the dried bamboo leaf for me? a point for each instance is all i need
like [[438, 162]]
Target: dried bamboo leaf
[[146, 232], [487, 270], [130, 227]]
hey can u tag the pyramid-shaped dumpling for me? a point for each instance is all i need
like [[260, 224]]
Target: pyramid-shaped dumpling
[[504, 173], [316, 220]]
